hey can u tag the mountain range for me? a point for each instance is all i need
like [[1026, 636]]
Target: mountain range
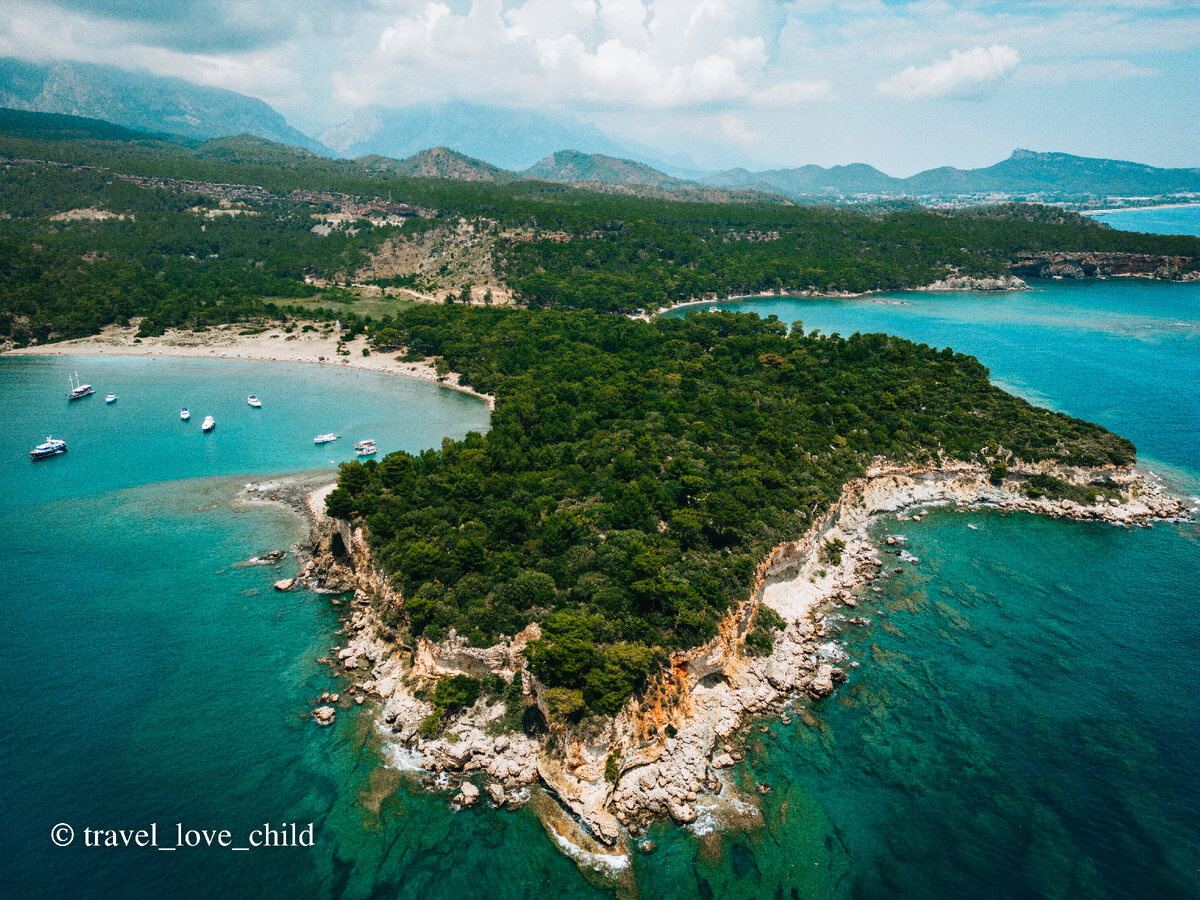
[[1024, 174], [530, 144]]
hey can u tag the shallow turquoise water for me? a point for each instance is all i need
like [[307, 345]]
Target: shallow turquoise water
[[140, 438], [1021, 722], [1154, 220]]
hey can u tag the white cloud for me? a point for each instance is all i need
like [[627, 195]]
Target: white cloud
[[963, 74], [645, 54]]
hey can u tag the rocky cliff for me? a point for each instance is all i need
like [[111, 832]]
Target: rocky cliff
[[668, 748]]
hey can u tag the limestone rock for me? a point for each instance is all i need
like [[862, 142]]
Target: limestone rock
[[822, 684], [324, 715], [468, 795]]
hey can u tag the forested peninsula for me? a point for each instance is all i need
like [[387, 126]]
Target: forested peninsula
[[576, 596]]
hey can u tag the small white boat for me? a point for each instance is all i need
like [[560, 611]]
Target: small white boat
[[78, 390], [52, 447], [184, 414], [367, 443], [325, 438], [111, 398], [208, 424], [254, 401], [365, 448]]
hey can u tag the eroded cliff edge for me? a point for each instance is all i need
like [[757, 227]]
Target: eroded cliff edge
[[664, 752]]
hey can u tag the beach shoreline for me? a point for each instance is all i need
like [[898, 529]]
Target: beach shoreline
[[950, 284], [272, 344]]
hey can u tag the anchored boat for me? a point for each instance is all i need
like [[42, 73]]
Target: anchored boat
[[325, 438], [254, 401], [52, 447], [208, 424], [184, 414], [78, 391], [111, 398]]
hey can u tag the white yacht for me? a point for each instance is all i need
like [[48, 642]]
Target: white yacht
[[254, 401], [325, 438], [111, 398], [184, 414], [208, 424], [52, 447], [365, 448]]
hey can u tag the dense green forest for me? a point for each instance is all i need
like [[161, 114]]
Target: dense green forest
[[635, 473], [166, 252]]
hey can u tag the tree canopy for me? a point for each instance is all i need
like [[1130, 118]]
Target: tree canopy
[[636, 473]]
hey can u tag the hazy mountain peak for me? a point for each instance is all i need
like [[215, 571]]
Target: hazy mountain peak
[[143, 101], [511, 138]]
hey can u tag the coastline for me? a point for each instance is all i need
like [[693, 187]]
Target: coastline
[[1092, 212], [949, 284], [674, 744], [226, 342]]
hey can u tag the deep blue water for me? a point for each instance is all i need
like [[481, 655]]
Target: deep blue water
[[1021, 721]]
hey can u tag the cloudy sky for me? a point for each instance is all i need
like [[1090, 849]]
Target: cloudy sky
[[900, 85]]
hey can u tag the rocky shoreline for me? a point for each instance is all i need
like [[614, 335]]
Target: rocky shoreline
[[667, 750], [1098, 264]]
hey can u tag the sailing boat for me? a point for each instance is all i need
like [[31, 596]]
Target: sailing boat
[[78, 390]]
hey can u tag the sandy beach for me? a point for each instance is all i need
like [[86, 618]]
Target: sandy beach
[[226, 342]]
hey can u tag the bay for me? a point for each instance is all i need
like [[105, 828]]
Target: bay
[[1020, 721], [1152, 219]]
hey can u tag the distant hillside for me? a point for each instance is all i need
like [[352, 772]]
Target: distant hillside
[[511, 138], [573, 167], [439, 162], [143, 101], [54, 126], [1024, 174], [1029, 172], [807, 180]]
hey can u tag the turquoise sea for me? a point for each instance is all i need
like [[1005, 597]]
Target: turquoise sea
[[1153, 219], [1020, 721]]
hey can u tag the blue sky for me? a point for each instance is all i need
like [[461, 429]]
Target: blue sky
[[902, 86]]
